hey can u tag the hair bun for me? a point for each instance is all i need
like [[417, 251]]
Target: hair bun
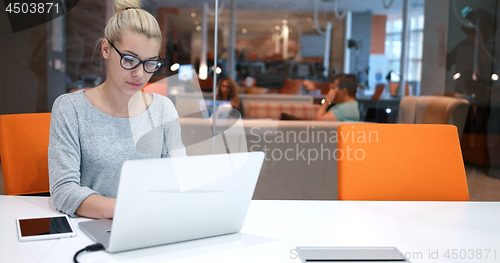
[[122, 5]]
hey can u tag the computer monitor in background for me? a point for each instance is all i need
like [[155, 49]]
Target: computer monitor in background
[[222, 108], [185, 81], [185, 72]]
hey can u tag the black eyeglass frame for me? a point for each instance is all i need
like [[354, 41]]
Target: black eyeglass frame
[[140, 61]]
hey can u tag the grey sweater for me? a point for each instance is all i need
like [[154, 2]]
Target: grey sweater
[[87, 147]]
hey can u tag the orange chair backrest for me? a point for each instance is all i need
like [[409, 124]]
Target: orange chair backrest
[[394, 87], [378, 92], [291, 86], [400, 162], [24, 143], [206, 84], [158, 88]]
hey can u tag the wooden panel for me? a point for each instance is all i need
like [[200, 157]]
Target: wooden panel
[[378, 34]]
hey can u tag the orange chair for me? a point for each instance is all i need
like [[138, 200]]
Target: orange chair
[[394, 88], [291, 86], [24, 143], [206, 84], [400, 162], [378, 92], [158, 88]]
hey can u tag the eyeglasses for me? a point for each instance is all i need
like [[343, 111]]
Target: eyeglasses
[[130, 62]]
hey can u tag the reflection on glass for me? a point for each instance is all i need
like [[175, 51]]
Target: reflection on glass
[[270, 82]]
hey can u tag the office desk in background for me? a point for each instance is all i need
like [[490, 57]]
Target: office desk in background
[[273, 228]]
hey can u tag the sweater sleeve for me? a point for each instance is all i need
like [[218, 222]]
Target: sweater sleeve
[[173, 139], [64, 158]]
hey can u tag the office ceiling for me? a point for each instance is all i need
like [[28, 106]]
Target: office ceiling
[[268, 19], [376, 6], [257, 16]]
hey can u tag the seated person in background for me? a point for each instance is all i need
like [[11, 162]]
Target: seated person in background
[[343, 93], [228, 90]]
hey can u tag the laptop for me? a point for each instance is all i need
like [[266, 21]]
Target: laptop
[[169, 200]]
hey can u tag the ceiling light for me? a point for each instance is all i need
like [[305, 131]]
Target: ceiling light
[[244, 31], [198, 28], [174, 67], [456, 76], [193, 14], [494, 77]]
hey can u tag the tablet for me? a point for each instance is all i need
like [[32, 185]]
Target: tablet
[[39, 228], [348, 254]]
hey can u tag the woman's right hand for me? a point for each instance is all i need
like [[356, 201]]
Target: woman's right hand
[[96, 206]]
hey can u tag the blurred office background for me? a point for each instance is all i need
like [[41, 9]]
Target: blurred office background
[[396, 48]]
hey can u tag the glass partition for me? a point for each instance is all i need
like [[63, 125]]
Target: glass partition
[[284, 69], [471, 52]]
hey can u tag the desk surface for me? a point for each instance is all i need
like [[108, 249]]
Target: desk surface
[[273, 228]]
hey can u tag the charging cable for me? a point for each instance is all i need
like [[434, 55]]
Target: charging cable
[[91, 248]]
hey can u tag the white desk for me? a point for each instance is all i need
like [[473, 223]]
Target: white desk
[[273, 228]]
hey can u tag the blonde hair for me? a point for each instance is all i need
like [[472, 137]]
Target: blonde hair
[[130, 16]]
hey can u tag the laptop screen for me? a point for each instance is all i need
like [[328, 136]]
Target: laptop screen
[[221, 108]]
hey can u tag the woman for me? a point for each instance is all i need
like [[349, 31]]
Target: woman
[[227, 90], [94, 131]]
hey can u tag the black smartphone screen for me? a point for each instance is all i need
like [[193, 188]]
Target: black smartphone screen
[[44, 226]]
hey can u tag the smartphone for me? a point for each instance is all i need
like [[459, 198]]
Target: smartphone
[[39, 228]]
